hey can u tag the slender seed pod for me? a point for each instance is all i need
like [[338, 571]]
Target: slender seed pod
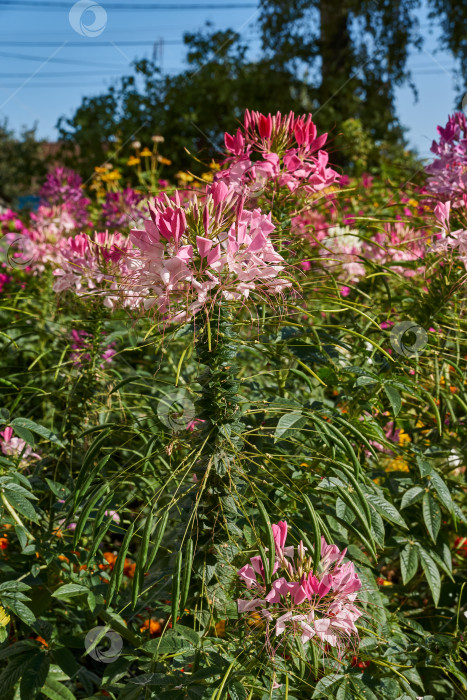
[[357, 488], [176, 587], [316, 533], [186, 574], [157, 539], [265, 561], [141, 560], [365, 525], [270, 537], [86, 511], [117, 573], [98, 538]]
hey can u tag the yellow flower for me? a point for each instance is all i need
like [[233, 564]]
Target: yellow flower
[[164, 161], [184, 177], [413, 202], [113, 175], [209, 177], [4, 617], [214, 166], [146, 152], [404, 438], [133, 160], [398, 465], [100, 169]]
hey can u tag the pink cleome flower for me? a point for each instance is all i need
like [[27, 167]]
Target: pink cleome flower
[[16, 447], [92, 265], [207, 249], [319, 606], [290, 155]]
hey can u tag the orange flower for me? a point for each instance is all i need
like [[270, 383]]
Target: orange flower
[[129, 569], [62, 557], [42, 641], [3, 542], [164, 161], [110, 558], [154, 627]]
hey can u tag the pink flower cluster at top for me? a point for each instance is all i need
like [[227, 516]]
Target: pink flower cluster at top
[[448, 172], [92, 265], [15, 446], [82, 345], [319, 606], [208, 249], [290, 152]]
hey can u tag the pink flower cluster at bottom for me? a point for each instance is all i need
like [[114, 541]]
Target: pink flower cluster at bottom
[[318, 605]]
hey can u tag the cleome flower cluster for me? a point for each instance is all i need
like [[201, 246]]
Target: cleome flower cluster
[[192, 254], [314, 605], [284, 149]]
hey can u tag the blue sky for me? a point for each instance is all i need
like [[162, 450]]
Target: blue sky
[[47, 66]]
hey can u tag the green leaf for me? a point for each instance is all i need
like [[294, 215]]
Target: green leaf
[[412, 496], [237, 691], [24, 434], [394, 398], [69, 590], [36, 428], [442, 490], [55, 690], [21, 610], [409, 562], [288, 424], [431, 573], [325, 683], [21, 504], [386, 509], [431, 515]]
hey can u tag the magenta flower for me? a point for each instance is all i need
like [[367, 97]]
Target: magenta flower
[[316, 605]]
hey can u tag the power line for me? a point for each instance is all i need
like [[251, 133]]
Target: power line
[[86, 45], [44, 5], [47, 59]]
